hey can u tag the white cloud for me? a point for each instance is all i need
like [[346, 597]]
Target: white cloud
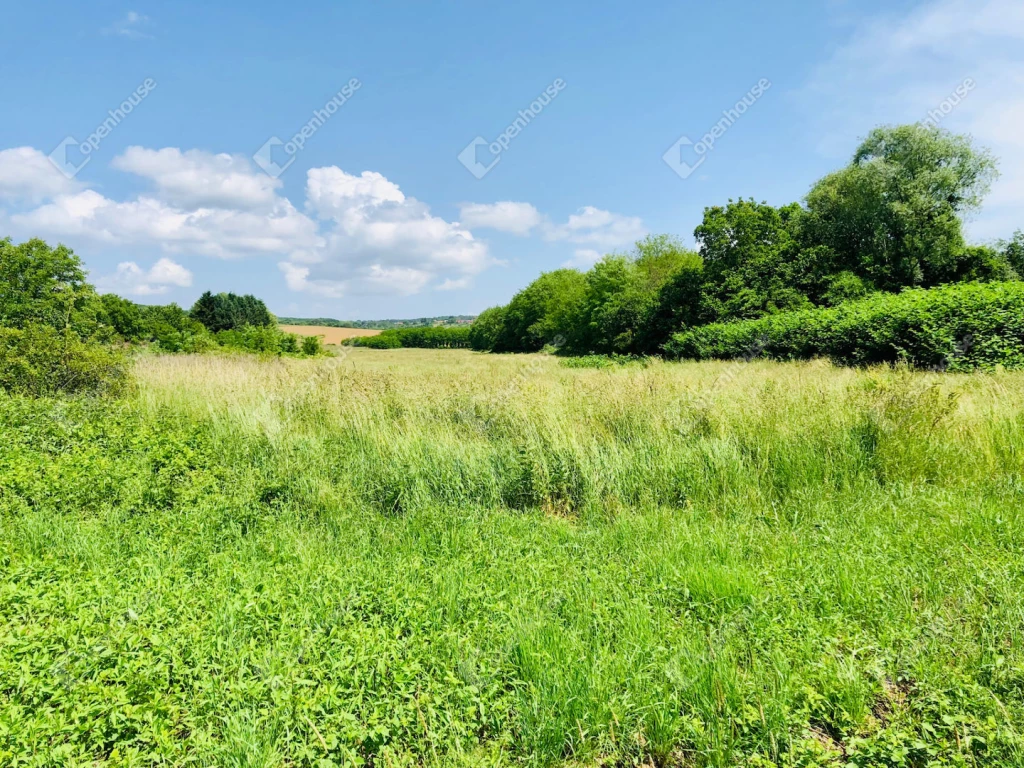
[[362, 234], [506, 216], [28, 174], [197, 179], [132, 25], [221, 233], [359, 233], [898, 67], [133, 280], [602, 229], [584, 258], [591, 226], [297, 279], [378, 240], [454, 285]]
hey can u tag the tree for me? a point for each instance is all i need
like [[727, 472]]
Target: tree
[[40, 284], [676, 308], [611, 310], [893, 217], [1013, 252], [660, 257], [205, 310], [542, 312], [752, 264], [125, 317], [227, 311], [487, 329]]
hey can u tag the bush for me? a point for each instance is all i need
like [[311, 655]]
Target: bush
[[41, 360], [311, 346], [957, 327]]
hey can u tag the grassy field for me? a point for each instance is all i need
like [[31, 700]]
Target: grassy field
[[412, 557], [331, 335]]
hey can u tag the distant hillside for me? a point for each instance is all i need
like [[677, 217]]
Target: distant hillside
[[381, 325]]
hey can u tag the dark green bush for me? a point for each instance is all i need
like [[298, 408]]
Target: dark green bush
[[41, 360], [957, 327]]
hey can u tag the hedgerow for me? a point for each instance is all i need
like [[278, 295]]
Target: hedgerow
[[424, 338], [957, 327]]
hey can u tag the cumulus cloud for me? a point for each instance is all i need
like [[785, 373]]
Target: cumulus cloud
[[899, 67], [378, 240], [28, 174], [197, 179], [132, 280], [599, 228], [92, 218], [357, 234], [506, 216]]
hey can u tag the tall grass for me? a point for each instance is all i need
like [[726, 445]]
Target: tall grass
[[415, 557]]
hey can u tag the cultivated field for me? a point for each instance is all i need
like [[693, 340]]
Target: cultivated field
[[330, 335], [421, 557]]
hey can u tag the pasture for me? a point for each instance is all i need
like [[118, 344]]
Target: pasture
[[418, 557]]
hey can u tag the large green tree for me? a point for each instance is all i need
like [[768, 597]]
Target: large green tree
[[542, 312], [752, 264], [893, 217], [40, 284], [228, 311]]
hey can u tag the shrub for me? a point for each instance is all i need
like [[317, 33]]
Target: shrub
[[957, 327], [41, 360], [311, 346]]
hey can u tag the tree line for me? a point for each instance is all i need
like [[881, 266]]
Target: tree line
[[892, 219]]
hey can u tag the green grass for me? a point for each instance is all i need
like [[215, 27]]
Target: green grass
[[412, 557]]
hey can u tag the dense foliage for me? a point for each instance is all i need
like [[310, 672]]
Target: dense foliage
[[54, 334], [956, 328], [39, 359], [424, 338], [227, 312], [891, 220]]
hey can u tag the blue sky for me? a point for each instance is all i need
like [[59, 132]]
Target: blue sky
[[375, 215]]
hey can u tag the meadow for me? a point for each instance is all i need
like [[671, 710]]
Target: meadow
[[418, 557]]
